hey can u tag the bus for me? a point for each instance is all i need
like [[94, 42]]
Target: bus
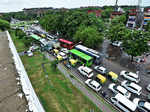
[[66, 44], [81, 57], [90, 52]]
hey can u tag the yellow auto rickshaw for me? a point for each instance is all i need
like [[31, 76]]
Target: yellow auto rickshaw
[[73, 61], [113, 76], [100, 78]]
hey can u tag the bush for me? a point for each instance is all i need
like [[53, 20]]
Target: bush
[[4, 24]]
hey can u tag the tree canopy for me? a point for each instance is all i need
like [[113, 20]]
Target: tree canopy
[[89, 36], [4, 24]]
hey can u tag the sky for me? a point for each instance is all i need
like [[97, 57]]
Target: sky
[[18, 5]]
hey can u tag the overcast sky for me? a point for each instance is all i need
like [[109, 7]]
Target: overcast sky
[[17, 5]]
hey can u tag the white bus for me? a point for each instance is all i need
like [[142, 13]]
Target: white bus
[[90, 52], [123, 103]]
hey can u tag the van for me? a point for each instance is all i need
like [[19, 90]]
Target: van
[[85, 71], [123, 103], [113, 76], [100, 78]]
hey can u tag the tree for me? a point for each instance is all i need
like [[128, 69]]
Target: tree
[[89, 36], [4, 24], [20, 33], [136, 44], [147, 27], [106, 13]]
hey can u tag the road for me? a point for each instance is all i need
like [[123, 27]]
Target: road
[[81, 87]]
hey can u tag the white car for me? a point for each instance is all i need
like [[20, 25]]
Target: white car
[[143, 105], [130, 76], [116, 43], [62, 54], [100, 69], [93, 84], [29, 53], [65, 50], [85, 71], [119, 89], [132, 87], [148, 87]]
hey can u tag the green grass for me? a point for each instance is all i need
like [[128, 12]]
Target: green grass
[[56, 93]]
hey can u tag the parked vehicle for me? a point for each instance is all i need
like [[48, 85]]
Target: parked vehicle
[[130, 76], [73, 62], [85, 71], [100, 78], [143, 106], [119, 89], [132, 87], [81, 57], [100, 69], [65, 50], [148, 87], [91, 52], [29, 53], [113, 76], [55, 52], [66, 44], [93, 84], [61, 56], [123, 103], [116, 43]]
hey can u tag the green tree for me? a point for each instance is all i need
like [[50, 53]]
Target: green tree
[[4, 24], [89, 36], [136, 44], [106, 13], [147, 27]]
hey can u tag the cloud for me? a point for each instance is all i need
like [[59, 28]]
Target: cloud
[[17, 5]]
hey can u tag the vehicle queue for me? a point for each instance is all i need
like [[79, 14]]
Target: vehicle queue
[[87, 62]]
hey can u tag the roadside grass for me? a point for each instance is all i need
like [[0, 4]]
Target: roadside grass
[[56, 93], [18, 42]]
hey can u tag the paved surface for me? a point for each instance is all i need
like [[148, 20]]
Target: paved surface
[[84, 90], [9, 101]]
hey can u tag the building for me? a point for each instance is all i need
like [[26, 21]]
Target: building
[[146, 16], [96, 12], [132, 16]]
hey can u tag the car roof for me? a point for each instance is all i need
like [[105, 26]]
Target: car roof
[[114, 75], [102, 68], [126, 101], [135, 86], [133, 74], [93, 82], [147, 105], [122, 89], [87, 69]]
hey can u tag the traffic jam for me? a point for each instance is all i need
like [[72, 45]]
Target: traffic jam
[[123, 90]]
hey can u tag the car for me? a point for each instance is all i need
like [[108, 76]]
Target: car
[[119, 89], [130, 76], [100, 78], [132, 87], [29, 53], [86, 71], [61, 55], [100, 69], [148, 87], [65, 50], [116, 43], [93, 84], [143, 106]]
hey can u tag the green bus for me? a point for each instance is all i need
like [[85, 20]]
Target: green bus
[[81, 57]]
